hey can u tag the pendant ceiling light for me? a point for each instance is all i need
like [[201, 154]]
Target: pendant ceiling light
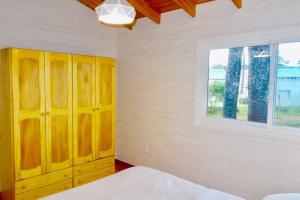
[[116, 12]]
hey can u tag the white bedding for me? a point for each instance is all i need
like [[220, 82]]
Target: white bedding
[[142, 183]]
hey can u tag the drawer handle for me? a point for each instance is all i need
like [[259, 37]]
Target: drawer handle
[[24, 187], [66, 187], [66, 175], [79, 171]]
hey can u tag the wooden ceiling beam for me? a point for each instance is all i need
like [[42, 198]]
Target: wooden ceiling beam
[[203, 1], [187, 6], [92, 4], [145, 9], [238, 3]]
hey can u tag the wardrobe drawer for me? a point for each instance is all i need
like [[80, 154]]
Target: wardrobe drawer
[[43, 180], [92, 176], [45, 191], [94, 165]]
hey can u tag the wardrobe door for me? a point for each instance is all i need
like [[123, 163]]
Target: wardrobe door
[[105, 104], [84, 108], [29, 112], [58, 110]]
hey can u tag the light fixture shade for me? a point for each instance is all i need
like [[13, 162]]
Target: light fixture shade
[[116, 12]]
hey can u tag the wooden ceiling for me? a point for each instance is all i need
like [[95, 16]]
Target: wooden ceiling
[[153, 9]]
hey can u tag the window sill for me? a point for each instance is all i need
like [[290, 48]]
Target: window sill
[[230, 124]]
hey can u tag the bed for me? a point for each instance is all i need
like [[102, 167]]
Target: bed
[[142, 183]]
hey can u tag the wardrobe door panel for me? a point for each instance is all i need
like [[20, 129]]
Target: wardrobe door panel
[[29, 84], [60, 143], [29, 112], [85, 88], [105, 103], [105, 139], [106, 82], [59, 110], [84, 108], [85, 138], [30, 140]]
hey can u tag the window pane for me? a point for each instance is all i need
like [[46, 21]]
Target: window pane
[[239, 83], [288, 86]]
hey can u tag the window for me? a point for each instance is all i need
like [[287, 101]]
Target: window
[[241, 81], [288, 85]]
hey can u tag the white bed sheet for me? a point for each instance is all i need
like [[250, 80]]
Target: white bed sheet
[[142, 183]]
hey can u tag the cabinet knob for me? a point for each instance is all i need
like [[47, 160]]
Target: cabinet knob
[[48, 113], [42, 114], [24, 187]]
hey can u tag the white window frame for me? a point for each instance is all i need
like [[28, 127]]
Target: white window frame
[[267, 37]]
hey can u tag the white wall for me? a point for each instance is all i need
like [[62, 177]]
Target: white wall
[[156, 94], [56, 25]]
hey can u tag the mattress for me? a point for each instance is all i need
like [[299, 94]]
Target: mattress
[[142, 183]]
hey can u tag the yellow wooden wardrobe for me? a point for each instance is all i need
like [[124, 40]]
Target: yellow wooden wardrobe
[[57, 121]]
